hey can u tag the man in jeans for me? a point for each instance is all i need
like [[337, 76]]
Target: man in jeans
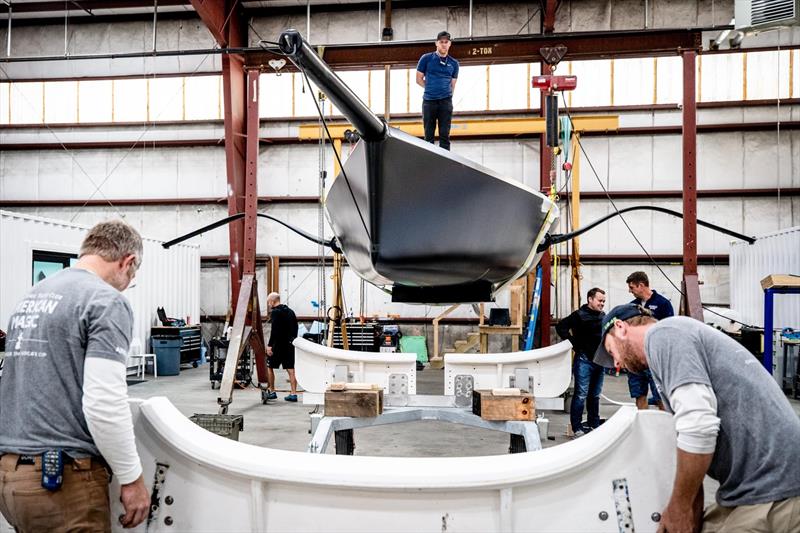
[[437, 73], [64, 391], [583, 328], [661, 308]]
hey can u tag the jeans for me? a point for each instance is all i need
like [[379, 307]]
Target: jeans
[[639, 383], [588, 385], [440, 111]]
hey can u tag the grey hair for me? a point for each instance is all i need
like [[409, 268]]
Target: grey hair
[[113, 240]]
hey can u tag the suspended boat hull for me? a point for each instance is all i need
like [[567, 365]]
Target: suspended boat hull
[[423, 222], [431, 226]]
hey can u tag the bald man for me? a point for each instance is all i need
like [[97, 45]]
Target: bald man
[[280, 350]]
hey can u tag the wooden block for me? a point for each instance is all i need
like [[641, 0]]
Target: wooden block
[[780, 280], [342, 386], [493, 407], [355, 403], [506, 392]]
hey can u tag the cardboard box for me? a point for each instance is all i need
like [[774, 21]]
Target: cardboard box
[[502, 404]]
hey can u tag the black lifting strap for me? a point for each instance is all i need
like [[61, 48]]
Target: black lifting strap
[[557, 238], [332, 244]]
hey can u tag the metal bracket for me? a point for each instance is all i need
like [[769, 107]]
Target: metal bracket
[[315, 418], [553, 55], [397, 392], [622, 503], [398, 384], [521, 378], [464, 385], [341, 374], [155, 494]]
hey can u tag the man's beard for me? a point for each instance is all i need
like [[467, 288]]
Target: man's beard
[[629, 358]]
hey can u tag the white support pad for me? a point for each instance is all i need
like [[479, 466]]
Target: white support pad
[[316, 366], [216, 484], [550, 367]]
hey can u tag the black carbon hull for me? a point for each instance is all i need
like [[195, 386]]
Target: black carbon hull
[[439, 228]]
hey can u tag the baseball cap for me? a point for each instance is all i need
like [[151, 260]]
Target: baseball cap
[[620, 312], [443, 34]]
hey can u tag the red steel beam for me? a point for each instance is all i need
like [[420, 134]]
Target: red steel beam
[[705, 193], [159, 201], [507, 49], [234, 97], [191, 143], [675, 259], [549, 17], [704, 259], [590, 195], [689, 133], [691, 302], [214, 14], [251, 180], [226, 24]]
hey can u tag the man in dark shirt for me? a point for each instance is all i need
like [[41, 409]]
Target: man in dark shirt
[[437, 73], [583, 329], [660, 307], [280, 350]]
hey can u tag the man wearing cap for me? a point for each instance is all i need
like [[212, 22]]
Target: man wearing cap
[[661, 308], [437, 73], [733, 422]]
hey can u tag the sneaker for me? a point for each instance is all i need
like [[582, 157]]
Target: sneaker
[[272, 395], [291, 398], [578, 434]]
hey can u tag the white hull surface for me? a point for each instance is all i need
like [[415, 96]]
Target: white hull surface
[[550, 368], [216, 484], [316, 364]]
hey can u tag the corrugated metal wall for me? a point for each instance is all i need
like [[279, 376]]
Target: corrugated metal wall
[[774, 253], [167, 278]]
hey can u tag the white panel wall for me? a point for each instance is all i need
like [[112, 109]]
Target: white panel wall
[[118, 37], [715, 286], [773, 253], [167, 278]]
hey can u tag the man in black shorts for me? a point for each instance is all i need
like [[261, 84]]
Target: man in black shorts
[[280, 350]]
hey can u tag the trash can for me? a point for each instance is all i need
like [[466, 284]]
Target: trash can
[[168, 354]]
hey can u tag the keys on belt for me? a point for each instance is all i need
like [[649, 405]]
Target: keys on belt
[[84, 463]]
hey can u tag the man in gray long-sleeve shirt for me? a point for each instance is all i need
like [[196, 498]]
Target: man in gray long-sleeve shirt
[[733, 422], [64, 394]]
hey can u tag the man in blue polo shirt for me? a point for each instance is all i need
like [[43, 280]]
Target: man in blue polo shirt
[[660, 307], [437, 73]]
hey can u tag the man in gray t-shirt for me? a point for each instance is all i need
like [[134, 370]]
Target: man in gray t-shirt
[[63, 392], [733, 422]]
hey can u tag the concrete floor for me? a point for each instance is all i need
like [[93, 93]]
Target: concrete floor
[[286, 426]]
